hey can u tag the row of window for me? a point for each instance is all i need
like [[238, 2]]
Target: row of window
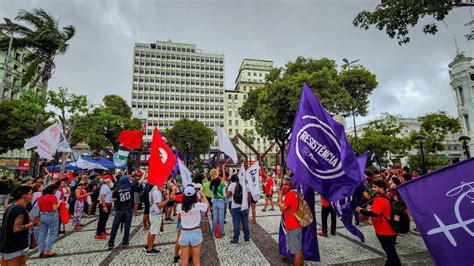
[[188, 115], [176, 107], [179, 114], [167, 72], [191, 58], [169, 124], [177, 98], [255, 74], [236, 97], [179, 81], [178, 65], [141, 87]]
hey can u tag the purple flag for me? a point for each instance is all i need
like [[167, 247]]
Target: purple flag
[[319, 152], [345, 207], [310, 242], [175, 170], [442, 206]]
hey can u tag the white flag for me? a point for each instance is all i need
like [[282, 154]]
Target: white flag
[[225, 145], [243, 183], [185, 173], [253, 181], [46, 142]]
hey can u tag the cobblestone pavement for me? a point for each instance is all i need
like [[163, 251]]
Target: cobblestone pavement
[[80, 248]]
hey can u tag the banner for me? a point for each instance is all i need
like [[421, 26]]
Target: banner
[[345, 208], [442, 206], [185, 173], [310, 242], [319, 152], [225, 145], [253, 181], [46, 142], [162, 160], [243, 183]]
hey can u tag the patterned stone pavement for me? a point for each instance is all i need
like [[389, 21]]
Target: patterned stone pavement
[[80, 248]]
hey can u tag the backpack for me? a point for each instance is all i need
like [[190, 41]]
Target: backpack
[[399, 219], [144, 193], [238, 194], [303, 214]]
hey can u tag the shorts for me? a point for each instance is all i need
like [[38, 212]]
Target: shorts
[[190, 238], [294, 239], [4, 198], [146, 211], [136, 198], [268, 196], [155, 224], [170, 203], [252, 200], [16, 254]]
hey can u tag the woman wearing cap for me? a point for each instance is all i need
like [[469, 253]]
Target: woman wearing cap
[[191, 234]]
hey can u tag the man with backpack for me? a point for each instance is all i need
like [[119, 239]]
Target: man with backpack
[[239, 209], [289, 205], [381, 214]]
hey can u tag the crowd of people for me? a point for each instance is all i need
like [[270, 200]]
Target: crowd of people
[[34, 218]]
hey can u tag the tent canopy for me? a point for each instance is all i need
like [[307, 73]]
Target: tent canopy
[[103, 162]]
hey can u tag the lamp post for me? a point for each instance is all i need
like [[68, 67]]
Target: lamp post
[[464, 140], [420, 139]]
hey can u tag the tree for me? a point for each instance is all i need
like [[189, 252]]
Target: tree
[[396, 16], [100, 127], [274, 105], [359, 83], [192, 136], [17, 119], [435, 127], [381, 138], [249, 135], [43, 38]]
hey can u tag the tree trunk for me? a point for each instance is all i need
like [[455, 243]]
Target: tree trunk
[[34, 158], [281, 145], [355, 132]]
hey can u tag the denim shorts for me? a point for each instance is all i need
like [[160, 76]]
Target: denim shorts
[[178, 224], [4, 198], [16, 254], [190, 238]]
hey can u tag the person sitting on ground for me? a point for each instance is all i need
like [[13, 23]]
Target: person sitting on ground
[[191, 235]]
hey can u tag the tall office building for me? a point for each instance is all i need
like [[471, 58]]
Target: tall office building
[[176, 80], [461, 72], [252, 73]]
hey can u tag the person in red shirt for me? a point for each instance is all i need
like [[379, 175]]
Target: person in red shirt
[[294, 236], [381, 213], [268, 193], [326, 209], [48, 205]]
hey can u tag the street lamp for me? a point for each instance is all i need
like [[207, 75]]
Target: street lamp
[[464, 140], [420, 139]]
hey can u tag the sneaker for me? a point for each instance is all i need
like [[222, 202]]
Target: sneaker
[[124, 245], [106, 234], [110, 248], [322, 234], [145, 247], [175, 259], [247, 240], [234, 242], [333, 234], [152, 252], [264, 210], [101, 237]]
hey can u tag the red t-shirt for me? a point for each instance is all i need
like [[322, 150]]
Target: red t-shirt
[[325, 203], [381, 206], [46, 202], [291, 200], [269, 186]]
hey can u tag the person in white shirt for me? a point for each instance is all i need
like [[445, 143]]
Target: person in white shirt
[[239, 210], [190, 210], [105, 206], [157, 204]]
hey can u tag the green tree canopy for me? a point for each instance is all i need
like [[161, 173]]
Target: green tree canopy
[[192, 136], [274, 105], [249, 135], [102, 125], [40, 34], [435, 127], [18, 119], [397, 16]]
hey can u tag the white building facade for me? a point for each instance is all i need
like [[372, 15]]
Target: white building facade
[[461, 72], [172, 81]]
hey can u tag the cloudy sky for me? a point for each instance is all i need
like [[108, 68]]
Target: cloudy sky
[[413, 78]]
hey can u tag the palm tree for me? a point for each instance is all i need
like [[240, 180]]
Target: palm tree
[[43, 38]]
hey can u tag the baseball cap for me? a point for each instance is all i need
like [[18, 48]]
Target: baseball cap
[[189, 191]]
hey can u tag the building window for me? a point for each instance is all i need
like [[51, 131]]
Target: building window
[[461, 95], [236, 122], [468, 125], [230, 113], [230, 122], [236, 96]]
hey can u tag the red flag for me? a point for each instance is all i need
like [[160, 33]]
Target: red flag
[[63, 213], [162, 160], [131, 139]]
